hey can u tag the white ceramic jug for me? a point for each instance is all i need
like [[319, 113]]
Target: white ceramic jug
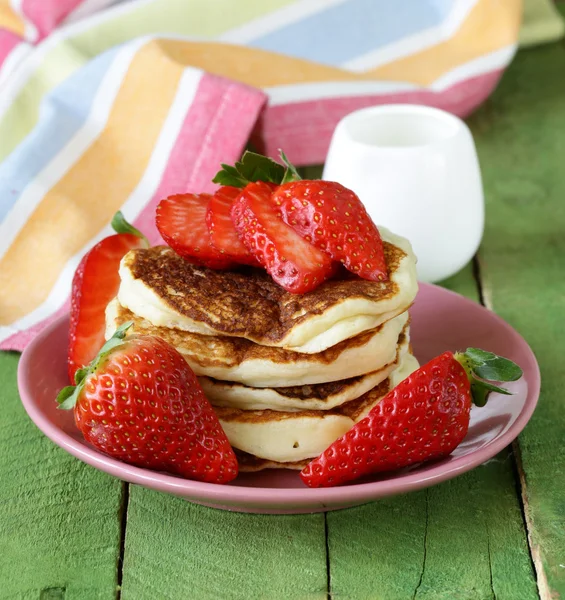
[[416, 170]]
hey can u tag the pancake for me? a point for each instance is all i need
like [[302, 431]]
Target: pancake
[[168, 291], [235, 359], [287, 437], [252, 464], [321, 396]]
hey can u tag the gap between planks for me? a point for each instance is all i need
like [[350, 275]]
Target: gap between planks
[[328, 567], [123, 526], [515, 457]]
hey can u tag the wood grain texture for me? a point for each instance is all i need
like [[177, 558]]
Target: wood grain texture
[[177, 550], [520, 135], [59, 518], [461, 540]]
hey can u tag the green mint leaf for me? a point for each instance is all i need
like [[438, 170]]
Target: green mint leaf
[[291, 174], [230, 176], [255, 167], [120, 225]]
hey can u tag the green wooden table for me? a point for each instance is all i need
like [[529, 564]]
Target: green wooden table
[[69, 531]]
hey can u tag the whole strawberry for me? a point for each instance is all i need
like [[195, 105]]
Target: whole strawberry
[[425, 417], [141, 403]]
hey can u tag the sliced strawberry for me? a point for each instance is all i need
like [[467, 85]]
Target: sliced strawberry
[[223, 235], [292, 262], [95, 283], [333, 219], [181, 221], [425, 417]]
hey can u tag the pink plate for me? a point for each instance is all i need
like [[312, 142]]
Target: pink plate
[[441, 320]]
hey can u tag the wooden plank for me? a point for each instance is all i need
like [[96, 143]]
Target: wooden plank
[[178, 550], [520, 137], [60, 519], [462, 539]]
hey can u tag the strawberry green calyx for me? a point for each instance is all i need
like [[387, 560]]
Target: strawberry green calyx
[[120, 225], [483, 367], [256, 167], [68, 396]]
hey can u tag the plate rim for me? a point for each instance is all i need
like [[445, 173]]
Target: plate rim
[[303, 497]]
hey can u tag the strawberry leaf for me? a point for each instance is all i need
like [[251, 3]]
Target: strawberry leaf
[[480, 391], [230, 176], [498, 369], [120, 225], [68, 396], [482, 367], [492, 367], [255, 167], [479, 356], [80, 374], [291, 174]]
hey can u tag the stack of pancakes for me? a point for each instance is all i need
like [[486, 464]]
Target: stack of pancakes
[[287, 374]]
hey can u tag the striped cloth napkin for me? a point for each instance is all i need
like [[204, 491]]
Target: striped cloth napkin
[[109, 112]]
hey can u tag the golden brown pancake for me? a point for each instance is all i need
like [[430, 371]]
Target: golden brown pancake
[[168, 291], [284, 437], [320, 396], [237, 359], [248, 463]]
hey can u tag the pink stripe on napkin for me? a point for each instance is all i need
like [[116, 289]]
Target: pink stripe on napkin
[[304, 129], [8, 42], [20, 340], [216, 129], [47, 14]]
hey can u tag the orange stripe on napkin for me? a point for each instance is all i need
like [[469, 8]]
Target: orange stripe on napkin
[[252, 66], [82, 203], [490, 26], [10, 20]]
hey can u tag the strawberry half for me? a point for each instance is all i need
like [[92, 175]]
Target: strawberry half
[[292, 262], [332, 218], [425, 417], [223, 235], [181, 221], [141, 403], [95, 283]]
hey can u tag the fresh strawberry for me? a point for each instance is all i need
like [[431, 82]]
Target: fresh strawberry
[[333, 218], [221, 228], [141, 403], [181, 221], [425, 417], [95, 283], [292, 262]]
